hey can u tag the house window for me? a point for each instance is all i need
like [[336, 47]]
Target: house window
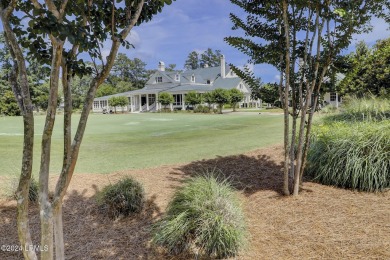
[[159, 79], [95, 104], [193, 78], [240, 86], [152, 99], [208, 82], [231, 73], [177, 100], [103, 103], [177, 77], [333, 96]]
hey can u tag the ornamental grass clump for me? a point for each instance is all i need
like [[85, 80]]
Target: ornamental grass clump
[[351, 155], [33, 190], [204, 218], [123, 198], [369, 108]]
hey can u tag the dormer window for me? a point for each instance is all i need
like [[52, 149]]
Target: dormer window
[[159, 79], [193, 78], [231, 73], [177, 77], [208, 82], [241, 87]]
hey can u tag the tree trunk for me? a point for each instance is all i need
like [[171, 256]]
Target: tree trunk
[[50, 213], [59, 233], [46, 209], [286, 94], [20, 87]]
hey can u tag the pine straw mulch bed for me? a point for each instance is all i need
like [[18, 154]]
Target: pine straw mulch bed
[[322, 223]]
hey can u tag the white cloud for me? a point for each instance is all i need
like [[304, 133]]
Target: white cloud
[[277, 77]]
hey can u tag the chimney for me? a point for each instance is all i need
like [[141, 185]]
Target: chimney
[[223, 67], [161, 66]]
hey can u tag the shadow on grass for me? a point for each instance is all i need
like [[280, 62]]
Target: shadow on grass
[[88, 232], [246, 173]]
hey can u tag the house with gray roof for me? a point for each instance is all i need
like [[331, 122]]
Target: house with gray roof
[[179, 83]]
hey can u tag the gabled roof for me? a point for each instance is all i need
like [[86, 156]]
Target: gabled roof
[[192, 87], [226, 83]]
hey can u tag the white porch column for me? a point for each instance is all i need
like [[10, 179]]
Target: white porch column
[[157, 104], [337, 99], [183, 107], [171, 106], [131, 104], [147, 102], [140, 103]]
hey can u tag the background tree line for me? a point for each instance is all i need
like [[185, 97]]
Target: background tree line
[[127, 74]]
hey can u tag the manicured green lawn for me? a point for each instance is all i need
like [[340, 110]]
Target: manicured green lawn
[[133, 141]]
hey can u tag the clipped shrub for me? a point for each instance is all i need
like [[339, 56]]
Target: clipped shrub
[[198, 109], [206, 110], [123, 198], [351, 155], [202, 109], [204, 217]]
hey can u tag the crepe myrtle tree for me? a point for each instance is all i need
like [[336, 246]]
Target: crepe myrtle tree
[[192, 98], [221, 97], [165, 99], [236, 97], [120, 101], [302, 40], [56, 33], [208, 98]]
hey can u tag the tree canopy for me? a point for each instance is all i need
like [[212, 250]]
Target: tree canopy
[[369, 70], [192, 98], [207, 58], [165, 99], [57, 34], [221, 97], [302, 40], [236, 96], [126, 70]]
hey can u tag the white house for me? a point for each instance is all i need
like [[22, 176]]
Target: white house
[[178, 83], [334, 98]]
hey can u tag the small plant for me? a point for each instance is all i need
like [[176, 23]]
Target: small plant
[[10, 191], [123, 198], [204, 217], [33, 190]]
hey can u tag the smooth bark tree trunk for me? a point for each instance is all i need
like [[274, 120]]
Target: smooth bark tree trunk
[[286, 92], [20, 87], [59, 233]]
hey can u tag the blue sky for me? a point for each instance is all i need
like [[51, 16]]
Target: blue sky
[[188, 25]]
